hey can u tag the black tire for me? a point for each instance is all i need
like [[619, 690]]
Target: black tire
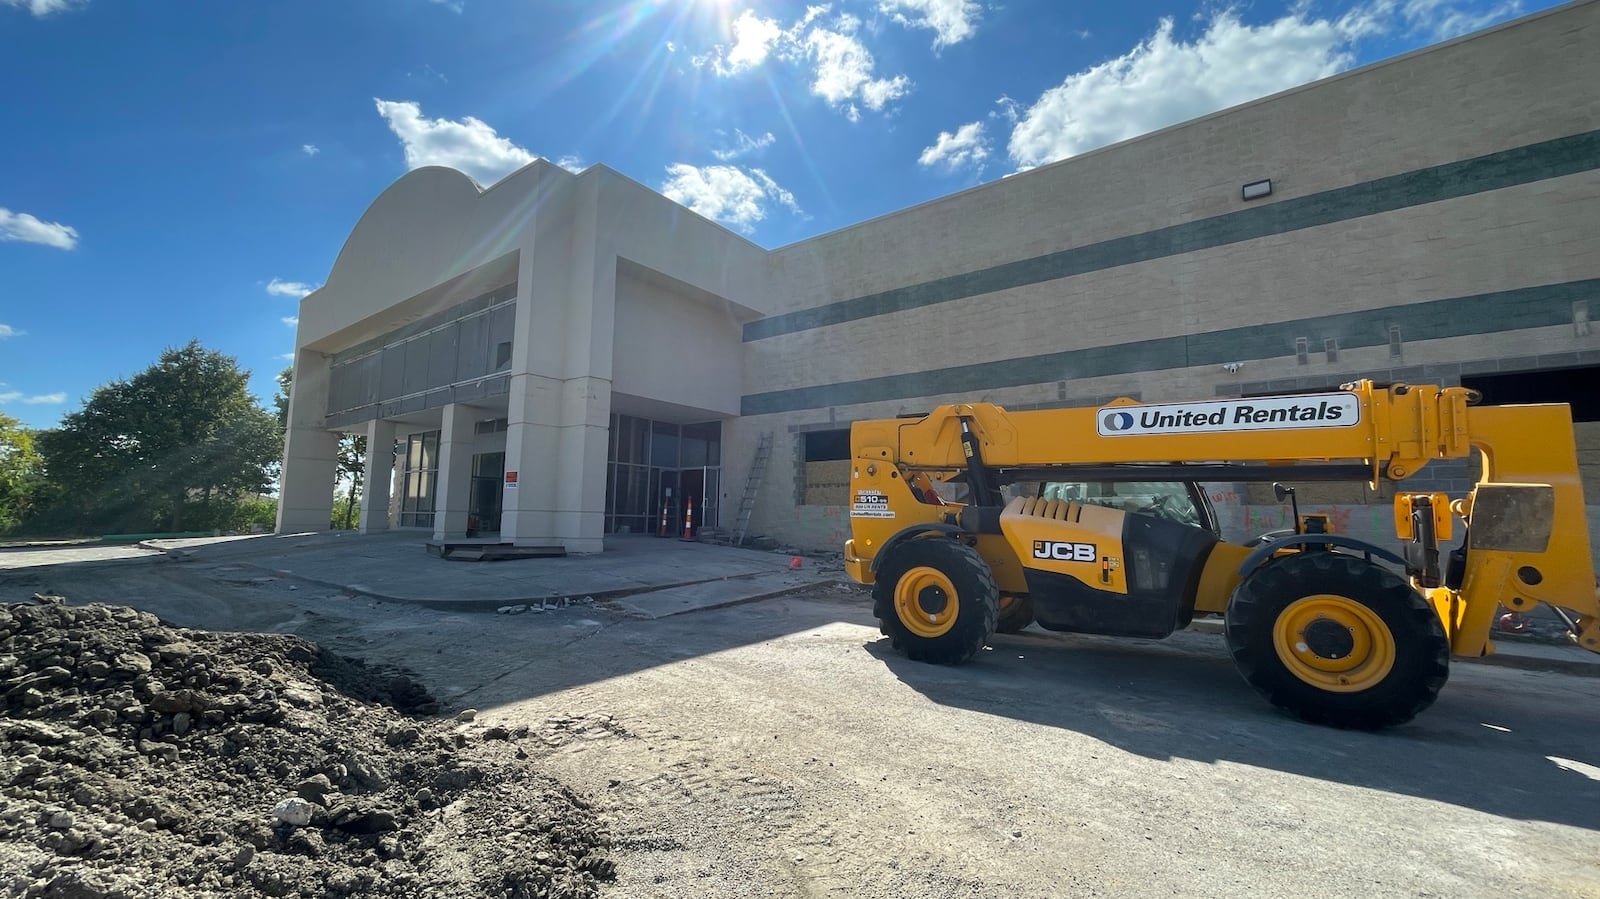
[[976, 601], [1015, 615], [1421, 652]]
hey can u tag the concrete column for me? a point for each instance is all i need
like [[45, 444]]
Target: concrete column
[[532, 445], [454, 491], [584, 452], [560, 404], [310, 451], [379, 476]]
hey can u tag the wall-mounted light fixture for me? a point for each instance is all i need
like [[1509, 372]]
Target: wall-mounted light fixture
[[1255, 190]]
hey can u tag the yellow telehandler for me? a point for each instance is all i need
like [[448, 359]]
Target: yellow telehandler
[[1328, 627]]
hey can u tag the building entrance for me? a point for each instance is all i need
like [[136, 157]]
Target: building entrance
[[658, 468], [486, 499]]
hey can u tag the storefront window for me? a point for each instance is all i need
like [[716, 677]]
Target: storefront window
[[420, 480]]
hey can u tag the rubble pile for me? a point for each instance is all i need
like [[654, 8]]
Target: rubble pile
[[142, 760]]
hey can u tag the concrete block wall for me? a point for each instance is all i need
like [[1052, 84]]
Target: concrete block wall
[[1348, 282], [1422, 109], [1415, 194]]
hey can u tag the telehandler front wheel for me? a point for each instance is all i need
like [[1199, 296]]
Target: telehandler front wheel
[[938, 600], [1335, 639]]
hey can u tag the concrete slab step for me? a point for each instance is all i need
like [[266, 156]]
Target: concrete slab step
[[474, 551]]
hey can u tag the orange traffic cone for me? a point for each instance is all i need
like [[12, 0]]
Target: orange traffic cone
[[688, 521]]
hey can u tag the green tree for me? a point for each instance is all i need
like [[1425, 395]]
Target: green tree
[[19, 472], [280, 400], [143, 452]]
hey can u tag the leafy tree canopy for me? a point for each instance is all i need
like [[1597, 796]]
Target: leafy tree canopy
[[185, 428], [19, 471]]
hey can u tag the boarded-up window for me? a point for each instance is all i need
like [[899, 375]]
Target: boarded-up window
[[826, 459]]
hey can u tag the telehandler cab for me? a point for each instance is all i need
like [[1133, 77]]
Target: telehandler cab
[[1327, 627]]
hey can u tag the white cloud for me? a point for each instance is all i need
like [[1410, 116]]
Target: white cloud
[[310, 149], [737, 196], [952, 21], [291, 320], [1443, 19], [753, 40], [1007, 109], [38, 399], [454, 6], [744, 144], [844, 68], [966, 147], [468, 145], [297, 289], [843, 71], [23, 227], [44, 7], [571, 163], [287, 357], [8, 331], [1164, 80]]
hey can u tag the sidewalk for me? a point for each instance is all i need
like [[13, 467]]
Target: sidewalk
[[396, 567]]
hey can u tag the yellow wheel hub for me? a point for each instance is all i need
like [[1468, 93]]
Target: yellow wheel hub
[[926, 602], [1334, 643]]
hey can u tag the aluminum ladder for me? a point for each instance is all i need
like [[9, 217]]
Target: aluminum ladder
[[747, 504]]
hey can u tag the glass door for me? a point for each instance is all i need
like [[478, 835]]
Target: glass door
[[485, 502], [710, 494]]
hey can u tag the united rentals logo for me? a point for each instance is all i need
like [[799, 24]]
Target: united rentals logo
[[1117, 421], [1328, 410]]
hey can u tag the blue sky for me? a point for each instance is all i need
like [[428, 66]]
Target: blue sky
[[176, 169]]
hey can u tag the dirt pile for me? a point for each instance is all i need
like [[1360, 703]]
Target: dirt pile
[[141, 760]]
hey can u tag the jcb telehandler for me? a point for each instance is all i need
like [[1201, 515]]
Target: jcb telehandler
[[1327, 627]]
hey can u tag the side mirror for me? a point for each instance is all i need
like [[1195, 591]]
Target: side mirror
[[1283, 493]]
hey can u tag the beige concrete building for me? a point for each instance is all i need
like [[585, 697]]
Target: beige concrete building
[[1431, 217]]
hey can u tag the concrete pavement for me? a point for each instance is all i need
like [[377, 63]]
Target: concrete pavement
[[639, 576], [657, 577]]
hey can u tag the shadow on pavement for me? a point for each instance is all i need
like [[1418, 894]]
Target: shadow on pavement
[[1483, 745]]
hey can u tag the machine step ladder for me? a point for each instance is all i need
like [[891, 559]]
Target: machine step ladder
[[747, 504]]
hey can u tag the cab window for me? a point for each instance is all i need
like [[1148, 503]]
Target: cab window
[[1164, 499]]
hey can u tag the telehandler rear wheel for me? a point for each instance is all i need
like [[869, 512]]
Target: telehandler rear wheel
[[1016, 613], [940, 600], [1335, 639]]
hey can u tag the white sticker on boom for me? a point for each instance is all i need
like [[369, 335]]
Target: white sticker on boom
[[870, 504], [1268, 413]]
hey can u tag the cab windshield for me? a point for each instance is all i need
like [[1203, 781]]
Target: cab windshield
[[1164, 499]]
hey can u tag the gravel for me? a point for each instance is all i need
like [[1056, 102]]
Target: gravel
[[143, 760]]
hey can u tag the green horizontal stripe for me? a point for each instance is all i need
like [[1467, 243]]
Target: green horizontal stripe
[[1508, 168], [1487, 313]]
